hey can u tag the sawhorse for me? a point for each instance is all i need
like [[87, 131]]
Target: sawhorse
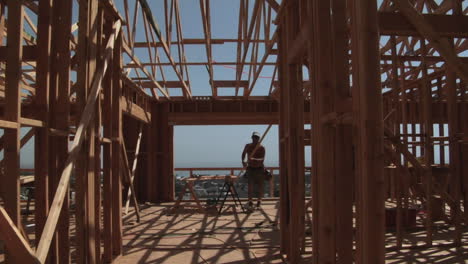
[[228, 188]]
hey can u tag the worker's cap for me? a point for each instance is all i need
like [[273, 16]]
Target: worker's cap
[[256, 134]]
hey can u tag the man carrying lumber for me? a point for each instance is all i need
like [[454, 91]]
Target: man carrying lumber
[[255, 170]]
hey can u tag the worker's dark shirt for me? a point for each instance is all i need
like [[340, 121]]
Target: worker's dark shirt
[[259, 154]]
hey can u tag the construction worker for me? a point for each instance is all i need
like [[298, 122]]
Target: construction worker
[[255, 170]]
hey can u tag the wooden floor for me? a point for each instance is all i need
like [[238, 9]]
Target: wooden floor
[[231, 238], [192, 237]]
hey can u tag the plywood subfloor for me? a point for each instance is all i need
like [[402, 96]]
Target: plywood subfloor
[[235, 238], [193, 237]]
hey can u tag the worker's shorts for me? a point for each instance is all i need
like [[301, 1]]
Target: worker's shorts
[[256, 177]]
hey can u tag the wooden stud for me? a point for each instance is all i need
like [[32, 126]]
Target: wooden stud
[[367, 95], [116, 148], [41, 142], [12, 113]]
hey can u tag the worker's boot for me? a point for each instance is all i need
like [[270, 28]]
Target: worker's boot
[[249, 207]]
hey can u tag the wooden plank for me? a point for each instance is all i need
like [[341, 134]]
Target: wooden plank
[[107, 110], [151, 181], [284, 218], [163, 154], [8, 124], [116, 131], [391, 23], [74, 151], [12, 113], [135, 110], [325, 104], [31, 122], [167, 84], [29, 53], [233, 83], [14, 241], [454, 155], [292, 200], [273, 4], [427, 130], [344, 163], [367, 97], [206, 17], [82, 91], [94, 159], [41, 142]]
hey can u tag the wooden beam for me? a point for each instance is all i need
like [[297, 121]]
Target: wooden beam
[[107, 110], [29, 53], [273, 5], [292, 200], [41, 142], [324, 103], [206, 17], [116, 132], [391, 23], [344, 163], [216, 63], [134, 110], [14, 54], [8, 124], [31, 122], [163, 152], [367, 107], [14, 241], [232, 84]]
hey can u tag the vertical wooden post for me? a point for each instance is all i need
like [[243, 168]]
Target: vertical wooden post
[[396, 130], [151, 182], [368, 119], [116, 148], [291, 139], [344, 173], [107, 111], [97, 138], [283, 139], [296, 151], [454, 153], [163, 152], [12, 112], [427, 131], [62, 22], [41, 140], [325, 104], [85, 188]]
